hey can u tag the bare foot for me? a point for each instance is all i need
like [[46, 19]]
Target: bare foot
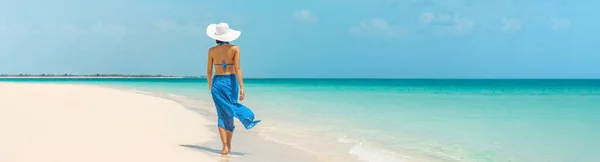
[[228, 148], [225, 151]]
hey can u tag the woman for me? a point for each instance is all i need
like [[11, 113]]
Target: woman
[[227, 82]]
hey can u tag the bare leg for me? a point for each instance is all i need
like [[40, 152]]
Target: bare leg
[[229, 136], [223, 134]]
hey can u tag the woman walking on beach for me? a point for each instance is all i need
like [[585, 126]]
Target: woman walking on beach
[[227, 82]]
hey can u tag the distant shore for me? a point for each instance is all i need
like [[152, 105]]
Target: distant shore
[[85, 77], [97, 76]]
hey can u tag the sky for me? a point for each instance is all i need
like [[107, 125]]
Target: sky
[[306, 39]]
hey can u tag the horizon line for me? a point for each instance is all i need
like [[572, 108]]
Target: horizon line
[[203, 76]]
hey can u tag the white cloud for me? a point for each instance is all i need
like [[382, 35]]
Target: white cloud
[[427, 17], [377, 26], [446, 21], [305, 16], [464, 24], [437, 18], [511, 24], [560, 24]]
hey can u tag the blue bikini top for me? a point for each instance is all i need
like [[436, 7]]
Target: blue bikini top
[[223, 63]]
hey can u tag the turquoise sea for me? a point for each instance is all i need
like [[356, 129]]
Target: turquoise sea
[[413, 119]]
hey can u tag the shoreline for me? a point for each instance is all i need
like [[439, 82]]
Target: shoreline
[[149, 127], [343, 149], [63, 77], [249, 138]]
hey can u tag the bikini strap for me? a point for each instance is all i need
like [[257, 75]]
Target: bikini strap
[[223, 63]]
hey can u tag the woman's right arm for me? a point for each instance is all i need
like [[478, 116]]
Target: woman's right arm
[[209, 71], [238, 71]]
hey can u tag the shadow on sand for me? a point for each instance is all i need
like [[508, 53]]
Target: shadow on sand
[[216, 151]]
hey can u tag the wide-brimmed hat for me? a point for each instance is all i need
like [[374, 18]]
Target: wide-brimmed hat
[[222, 32]]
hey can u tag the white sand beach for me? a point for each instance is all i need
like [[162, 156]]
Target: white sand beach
[[84, 123]]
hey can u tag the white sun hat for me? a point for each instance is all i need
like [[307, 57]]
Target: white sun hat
[[222, 32]]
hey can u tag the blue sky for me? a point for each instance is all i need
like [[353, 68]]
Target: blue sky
[[309, 38]]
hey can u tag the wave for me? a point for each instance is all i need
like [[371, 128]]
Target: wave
[[333, 147]]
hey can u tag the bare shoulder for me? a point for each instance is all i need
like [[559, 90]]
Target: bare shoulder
[[234, 49], [212, 48]]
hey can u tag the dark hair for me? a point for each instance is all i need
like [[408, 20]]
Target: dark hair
[[219, 42]]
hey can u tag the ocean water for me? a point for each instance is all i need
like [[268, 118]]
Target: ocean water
[[413, 119]]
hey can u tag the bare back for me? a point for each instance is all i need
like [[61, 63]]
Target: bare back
[[224, 59]]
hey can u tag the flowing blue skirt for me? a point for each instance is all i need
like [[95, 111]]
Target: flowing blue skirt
[[225, 95]]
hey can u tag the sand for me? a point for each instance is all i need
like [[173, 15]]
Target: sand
[[86, 123]]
